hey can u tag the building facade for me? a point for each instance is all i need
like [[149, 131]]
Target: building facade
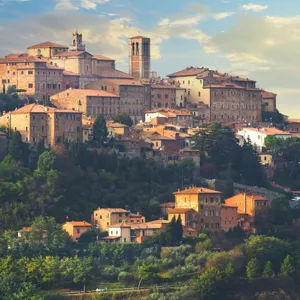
[[41, 123], [89, 102], [163, 96], [134, 95], [76, 228], [139, 57], [204, 201]]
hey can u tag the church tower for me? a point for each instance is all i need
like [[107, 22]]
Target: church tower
[[139, 57], [77, 42]]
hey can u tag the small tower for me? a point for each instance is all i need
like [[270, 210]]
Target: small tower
[[77, 42], [139, 57]]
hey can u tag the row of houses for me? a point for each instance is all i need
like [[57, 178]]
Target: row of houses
[[200, 209]]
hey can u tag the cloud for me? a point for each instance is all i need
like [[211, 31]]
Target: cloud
[[2, 2], [223, 15], [254, 7], [85, 4]]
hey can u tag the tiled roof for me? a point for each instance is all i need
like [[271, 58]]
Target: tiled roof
[[87, 92], [20, 59], [53, 67], [187, 72], [102, 57], [117, 125], [79, 224], [197, 190], [268, 131], [189, 229], [229, 206], [179, 210], [47, 45], [115, 210], [138, 215], [157, 136], [114, 73], [162, 86], [38, 108], [111, 237], [68, 73], [159, 221], [168, 205], [127, 82], [266, 94], [70, 53], [252, 196], [122, 224]]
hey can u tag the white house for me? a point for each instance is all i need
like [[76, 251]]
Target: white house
[[257, 135]]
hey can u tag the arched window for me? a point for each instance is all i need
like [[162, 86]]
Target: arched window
[[132, 50], [137, 48]]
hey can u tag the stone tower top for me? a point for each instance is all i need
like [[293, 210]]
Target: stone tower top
[[77, 44]]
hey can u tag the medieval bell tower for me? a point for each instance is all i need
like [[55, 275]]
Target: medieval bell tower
[[139, 57], [77, 44]]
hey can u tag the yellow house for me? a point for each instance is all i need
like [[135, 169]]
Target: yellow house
[[117, 129], [205, 201], [76, 229], [105, 217], [189, 217], [266, 159]]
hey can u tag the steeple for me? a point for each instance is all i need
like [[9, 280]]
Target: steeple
[[77, 44]]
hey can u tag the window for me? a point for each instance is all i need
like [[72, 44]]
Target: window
[[33, 117], [158, 96], [26, 128], [189, 82], [78, 230], [166, 96], [43, 128], [30, 85], [33, 139], [30, 72], [217, 225], [189, 93], [199, 94], [33, 128]]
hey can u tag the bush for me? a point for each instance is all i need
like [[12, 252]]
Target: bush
[[125, 277]]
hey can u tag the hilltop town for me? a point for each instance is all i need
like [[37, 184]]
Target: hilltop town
[[123, 178]]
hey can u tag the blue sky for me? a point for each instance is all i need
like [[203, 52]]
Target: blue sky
[[256, 39]]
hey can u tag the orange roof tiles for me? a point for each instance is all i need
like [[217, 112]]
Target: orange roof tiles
[[115, 210], [47, 45], [187, 72], [197, 190], [138, 215], [102, 57], [70, 53], [114, 73], [88, 93], [168, 205], [38, 108], [69, 73], [123, 224], [266, 94], [20, 59], [268, 131], [79, 224]]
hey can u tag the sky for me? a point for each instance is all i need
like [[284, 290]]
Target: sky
[[254, 39]]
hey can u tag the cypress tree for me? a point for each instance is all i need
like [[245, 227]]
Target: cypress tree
[[100, 132], [178, 230], [268, 271], [287, 269], [253, 269]]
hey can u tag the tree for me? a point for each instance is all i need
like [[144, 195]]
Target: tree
[[229, 188], [229, 272], [18, 149], [123, 118], [268, 271], [253, 269], [178, 230], [83, 271], [287, 269], [46, 161], [100, 130], [147, 272]]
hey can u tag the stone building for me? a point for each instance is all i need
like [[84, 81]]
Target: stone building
[[139, 57], [46, 49], [134, 95], [37, 122], [163, 95], [34, 76], [230, 98], [89, 102], [204, 201], [268, 101]]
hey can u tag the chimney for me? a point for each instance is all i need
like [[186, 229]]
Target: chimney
[[245, 203]]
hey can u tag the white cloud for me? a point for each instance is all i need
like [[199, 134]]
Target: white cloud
[[85, 4], [223, 15], [254, 7]]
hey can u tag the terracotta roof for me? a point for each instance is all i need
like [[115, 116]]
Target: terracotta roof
[[266, 94], [20, 59], [122, 224], [159, 221], [157, 136], [102, 57], [148, 225], [68, 73], [87, 92], [162, 86], [115, 210], [179, 210], [38, 108], [16, 55], [189, 229], [229, 206], [111, 237], [47, 45], [117, 125], [70, 53], [127, 82], [197, 190], [188, 72], [268, 131], [53, 67], [137, 215], [79, 224], [168, 205], [224, 86], [252, 196], [114, 73], [293, 120]]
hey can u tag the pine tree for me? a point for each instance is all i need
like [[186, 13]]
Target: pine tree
[[253, 269], [100, 130], [287, 269], [268, 271]]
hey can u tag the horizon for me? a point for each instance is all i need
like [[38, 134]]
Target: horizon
[[252, 39]]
